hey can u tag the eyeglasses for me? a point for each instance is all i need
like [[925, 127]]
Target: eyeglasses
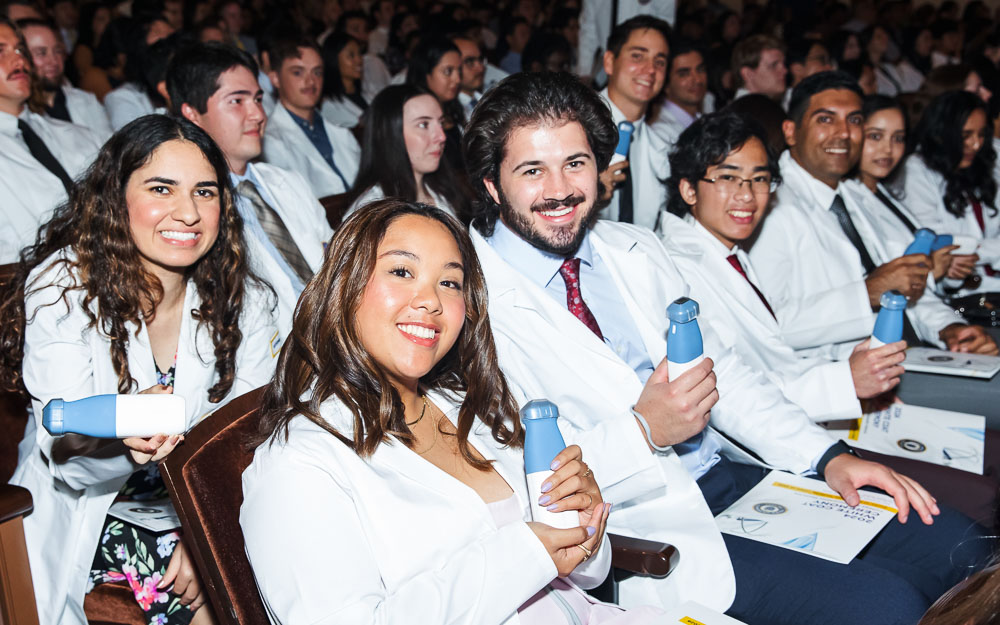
[[730, 184]]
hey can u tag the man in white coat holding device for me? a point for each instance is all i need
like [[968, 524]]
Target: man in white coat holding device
[[215, 86], [577, 310]]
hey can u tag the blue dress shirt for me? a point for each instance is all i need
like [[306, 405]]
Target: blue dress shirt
[[316, 133]]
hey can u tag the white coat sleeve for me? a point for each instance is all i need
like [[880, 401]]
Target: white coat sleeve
[[258, 351], [590, 38], [922, 195], [314, 564], [58, 364], [276, 152], [836, 315], [821, 387]]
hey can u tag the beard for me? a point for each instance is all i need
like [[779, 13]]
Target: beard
[[49, 85], [558, 240]]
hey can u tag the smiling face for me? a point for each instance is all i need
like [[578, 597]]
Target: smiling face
[[884, 143], [444, 80], [349, 61], [15, 83], [730, 216], [233, 117], [413, 308], [973, 136], [827, 142], [48, 52], [548, 185], [300, 82], [173, 207], [636, 75], [423, 134]]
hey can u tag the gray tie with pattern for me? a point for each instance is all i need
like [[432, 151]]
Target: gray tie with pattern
[[276, 231]]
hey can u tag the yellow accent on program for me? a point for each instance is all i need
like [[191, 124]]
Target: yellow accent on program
[[855, 431], [687, 620], [829, 496]]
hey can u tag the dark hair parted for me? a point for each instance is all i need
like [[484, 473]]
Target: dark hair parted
[[117, 291], [385, 161], [324, 356], [620, 34], [529, 99], [193, 73], [803, 92], [333, 81], [707, 142], [939, 142]]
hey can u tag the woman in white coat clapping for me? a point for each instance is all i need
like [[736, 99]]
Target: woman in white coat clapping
[[140, 284], [389, 483]]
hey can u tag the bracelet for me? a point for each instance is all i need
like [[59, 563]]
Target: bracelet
[[649, 435]]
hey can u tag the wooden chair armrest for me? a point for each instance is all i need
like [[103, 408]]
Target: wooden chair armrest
[[638, 556], [14, 502]]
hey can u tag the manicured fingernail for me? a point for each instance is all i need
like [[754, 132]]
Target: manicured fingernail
[[591, 530], [552, 507], [607, 507], [546, 487], [544, 499], [555, 465]]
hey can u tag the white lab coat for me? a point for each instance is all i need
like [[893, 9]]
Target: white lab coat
[[341, 112], [30, 192], [648, 164], [596, 24], [306, 221], [127, 103], [546, 352], [823, 388], [287, 146], [924, 195], [375, 193], [375, 76], [670, 124], [336, 538], [64, 358], [812, 275], [85, 110]]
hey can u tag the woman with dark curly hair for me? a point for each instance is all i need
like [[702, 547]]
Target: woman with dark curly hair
[[948, 182], [139, 284], [390, 441]]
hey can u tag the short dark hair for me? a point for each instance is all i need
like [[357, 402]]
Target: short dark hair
[[620, 34], [289, 48], [680, 46], [747, 53], [34, 22], [799, 48], [707, 142], [803, 92], [541, 46], [193, 72], [347, 16], [522, 100]]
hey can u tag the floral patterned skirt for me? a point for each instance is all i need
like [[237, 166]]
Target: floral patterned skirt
[[140, 557]]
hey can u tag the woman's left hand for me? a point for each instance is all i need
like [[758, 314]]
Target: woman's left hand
[[182, 574], [572, 486]]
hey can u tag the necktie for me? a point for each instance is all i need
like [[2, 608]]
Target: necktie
[[895, 210], [847, 225], [570, 272], [276, 231], [58, 108], [735, 262], [625, 213], [41, 154]]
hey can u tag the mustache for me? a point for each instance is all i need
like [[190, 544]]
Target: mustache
[[549, 205], [17, 72]]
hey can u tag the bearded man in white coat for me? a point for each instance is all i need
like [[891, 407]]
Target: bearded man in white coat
[[215, 86], [297, 136], [819, 262], [577, 313], [39, 156]]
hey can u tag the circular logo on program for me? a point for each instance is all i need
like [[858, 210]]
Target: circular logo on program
[[770, 508], [910, 445]]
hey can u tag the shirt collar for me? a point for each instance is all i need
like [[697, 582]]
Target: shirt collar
[[804, 182], [538, 266], [301, 121], [713, 242], [680, 114], [8, 122], [250, 175], [617, 114]]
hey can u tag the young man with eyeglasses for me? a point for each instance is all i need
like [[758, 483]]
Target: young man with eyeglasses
[[472, 72]]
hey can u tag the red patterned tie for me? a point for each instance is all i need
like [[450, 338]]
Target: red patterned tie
[[570, 272], [735, 262]]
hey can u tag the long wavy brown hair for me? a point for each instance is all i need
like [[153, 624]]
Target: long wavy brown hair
[[94, 227], [324, 356]]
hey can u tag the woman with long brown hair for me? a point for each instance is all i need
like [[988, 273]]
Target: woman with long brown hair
[[139, 283], [388, 484]]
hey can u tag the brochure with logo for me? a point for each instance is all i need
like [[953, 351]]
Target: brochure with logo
[[806, 515], [930, 360], [155, 515], [950, 439], [691, 613]]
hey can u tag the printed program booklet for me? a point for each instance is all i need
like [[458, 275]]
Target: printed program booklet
[[930, 360]]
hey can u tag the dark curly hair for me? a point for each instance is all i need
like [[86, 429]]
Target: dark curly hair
[[522, 100], [938, 140], [324, 356], [707, 142], [117, 291]]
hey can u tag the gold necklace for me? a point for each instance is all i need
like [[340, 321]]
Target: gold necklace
[[422, 412]]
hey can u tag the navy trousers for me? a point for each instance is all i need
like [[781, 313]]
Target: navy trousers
[[893, 581]]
